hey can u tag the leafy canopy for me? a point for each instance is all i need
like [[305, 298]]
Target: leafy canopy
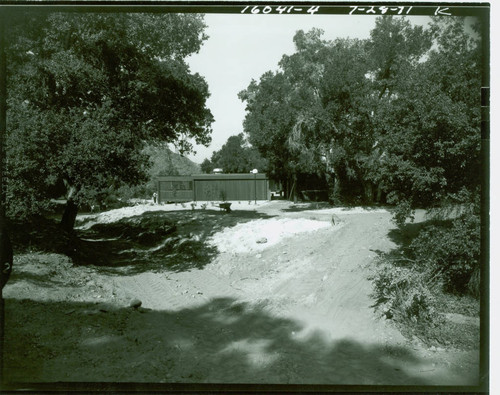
[[235, 156], [87, 90], [398, 113]]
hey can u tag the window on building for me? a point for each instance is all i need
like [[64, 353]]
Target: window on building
[[179, 185]]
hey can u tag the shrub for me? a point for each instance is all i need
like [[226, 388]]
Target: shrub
[[139, 191], [403, 293], [441, 261], [402, 212], [453, 250], [223, 195]]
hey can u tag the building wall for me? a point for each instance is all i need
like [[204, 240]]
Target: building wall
[[231, 190], [214, 187], [175, 189]]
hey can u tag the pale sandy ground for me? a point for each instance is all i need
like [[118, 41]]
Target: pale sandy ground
[[294, 310]]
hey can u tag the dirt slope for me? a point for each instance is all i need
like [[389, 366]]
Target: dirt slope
[[297, 311]]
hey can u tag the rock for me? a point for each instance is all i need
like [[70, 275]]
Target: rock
[[262, 240], [135, 303], [91, 312], [258, 256]]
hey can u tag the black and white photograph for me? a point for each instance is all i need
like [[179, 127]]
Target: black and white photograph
[[241, 196]]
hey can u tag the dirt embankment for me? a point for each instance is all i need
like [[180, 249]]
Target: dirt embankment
[[289, 309]]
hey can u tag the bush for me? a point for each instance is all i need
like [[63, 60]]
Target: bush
[[402, 212], [403, 293], [139, 191], [440, 262], [414, 301], [452, 249]]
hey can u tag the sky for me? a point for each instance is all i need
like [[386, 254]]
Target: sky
[[243, 47]]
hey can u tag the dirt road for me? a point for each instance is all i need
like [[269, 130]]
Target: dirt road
[[296, 310]]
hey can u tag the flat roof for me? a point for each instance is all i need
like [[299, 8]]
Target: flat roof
[[218, 176], [232, 176], [175, 178]]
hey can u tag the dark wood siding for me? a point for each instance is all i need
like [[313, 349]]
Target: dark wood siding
[[214, 187], [239, 190], [175, 189]]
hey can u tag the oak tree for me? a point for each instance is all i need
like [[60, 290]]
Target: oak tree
[[86, 91]]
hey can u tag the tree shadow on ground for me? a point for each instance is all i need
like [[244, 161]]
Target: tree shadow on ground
[[153, 241], [403, 237], [217, 341], [39, 234], [294, 208], [37, 279], [325, 205], [408, 232]]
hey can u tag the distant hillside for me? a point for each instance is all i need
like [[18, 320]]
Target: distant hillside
[[164, 163], [168, 163]]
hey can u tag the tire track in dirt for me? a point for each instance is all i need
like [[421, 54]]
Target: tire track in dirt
[[152, 289], [324, 281], [324, 286], [306, 315], [344, 295], [174, 291]]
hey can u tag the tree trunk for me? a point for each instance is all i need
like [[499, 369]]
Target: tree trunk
[[286, 188], [368, 191], [330, 182], [294, 189], [335, 188], [379, 193], [71, 210], [6, 254], [69, 216]]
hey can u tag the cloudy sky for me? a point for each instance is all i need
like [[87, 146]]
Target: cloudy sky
[[243, 47]]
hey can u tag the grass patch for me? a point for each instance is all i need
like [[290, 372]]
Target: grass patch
[[444, 333], [456, 304]]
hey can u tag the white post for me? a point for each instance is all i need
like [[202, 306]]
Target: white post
[[255, 171]]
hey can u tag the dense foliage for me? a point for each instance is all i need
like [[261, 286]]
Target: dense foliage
[[86, 91], [451, 251], [395, 117], [235, 156], [413, 298]]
